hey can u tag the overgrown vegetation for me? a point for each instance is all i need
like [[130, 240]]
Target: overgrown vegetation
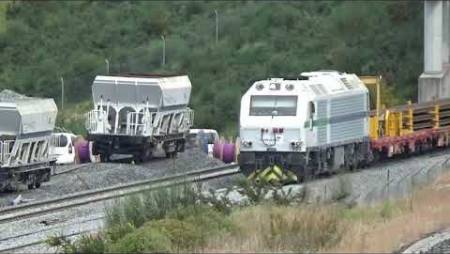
[[167, 220], [180, 219], [40, 42]]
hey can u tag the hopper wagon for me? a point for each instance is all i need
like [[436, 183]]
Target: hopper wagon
[[137, 114], [26, 125]]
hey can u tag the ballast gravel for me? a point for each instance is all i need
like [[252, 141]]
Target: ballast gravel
[[396, 178], [100, 175], [442, 247]]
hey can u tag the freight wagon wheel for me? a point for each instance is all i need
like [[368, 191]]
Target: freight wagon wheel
[[146, 155], [38, 185], [31, 181], [171, 154], [104, 157]]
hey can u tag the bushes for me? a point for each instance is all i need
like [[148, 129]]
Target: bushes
[[85, 244], [153, 205], [182, 229], [145, 239], [179, 219]]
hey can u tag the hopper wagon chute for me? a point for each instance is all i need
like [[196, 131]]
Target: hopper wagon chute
[[25, 131], [136, 114]]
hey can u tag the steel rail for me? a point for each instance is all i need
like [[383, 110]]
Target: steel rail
[[38, 242], [71, 169], [91, 196]]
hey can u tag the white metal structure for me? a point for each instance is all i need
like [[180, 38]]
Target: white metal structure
[[139, 109], [25, 129], [288, 118], [62, 148]]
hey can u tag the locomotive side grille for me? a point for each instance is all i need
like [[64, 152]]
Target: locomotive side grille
[[322, 129], [347, 130], [350, 85], [347, 105], [349, 115]]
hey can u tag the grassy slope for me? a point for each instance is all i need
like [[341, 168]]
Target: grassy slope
[[383, 228]]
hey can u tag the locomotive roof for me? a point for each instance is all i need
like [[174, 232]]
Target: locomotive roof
[[319, 83]]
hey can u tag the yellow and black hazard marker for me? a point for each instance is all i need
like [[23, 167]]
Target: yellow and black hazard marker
[[274, 175]]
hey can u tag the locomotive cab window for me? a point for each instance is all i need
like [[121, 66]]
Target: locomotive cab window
[[269, 105]]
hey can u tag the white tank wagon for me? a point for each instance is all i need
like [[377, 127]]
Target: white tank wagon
[[137, 114], [310, 125], [26, 126]]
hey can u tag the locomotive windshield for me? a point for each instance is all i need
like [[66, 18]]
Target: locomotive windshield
[[270, 105]]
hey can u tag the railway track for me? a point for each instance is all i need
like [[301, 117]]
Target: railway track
[[71, 169], [39, 242], [11, 243], [86, 197]]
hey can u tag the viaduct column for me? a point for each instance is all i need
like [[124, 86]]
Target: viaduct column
[[434, 82]]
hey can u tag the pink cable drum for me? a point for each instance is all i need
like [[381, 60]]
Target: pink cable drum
[[217, 149], [82, 149], [228, 153]]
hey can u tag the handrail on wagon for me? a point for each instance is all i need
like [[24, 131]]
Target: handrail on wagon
[[5, 150]]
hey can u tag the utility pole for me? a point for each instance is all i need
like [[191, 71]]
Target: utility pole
[[217, 25], [62, 93], [164, 50], [107, 66]]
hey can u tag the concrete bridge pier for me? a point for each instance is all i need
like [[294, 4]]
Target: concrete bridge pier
[[434, 83]]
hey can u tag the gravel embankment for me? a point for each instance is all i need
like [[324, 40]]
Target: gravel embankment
[[435, 243], [392, 179], [101, 175], [442, 247], [365, 186]]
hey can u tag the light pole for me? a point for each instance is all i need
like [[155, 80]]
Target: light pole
[[164, 50], [62, 93], [217, 25], [107, 66]]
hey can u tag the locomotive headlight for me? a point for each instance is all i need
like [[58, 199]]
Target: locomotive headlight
[[296, 144], [246, 143]]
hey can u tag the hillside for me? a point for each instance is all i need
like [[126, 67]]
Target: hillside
[[43, 41]]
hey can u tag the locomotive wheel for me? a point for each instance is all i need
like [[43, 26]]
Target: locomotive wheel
[[38, 185], [307, 175], [171, 154], [104, 157], [30, 186], [146, 155]]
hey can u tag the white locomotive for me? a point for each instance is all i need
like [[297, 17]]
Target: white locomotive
[[136, 114], [313, 124], [26, 125]]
